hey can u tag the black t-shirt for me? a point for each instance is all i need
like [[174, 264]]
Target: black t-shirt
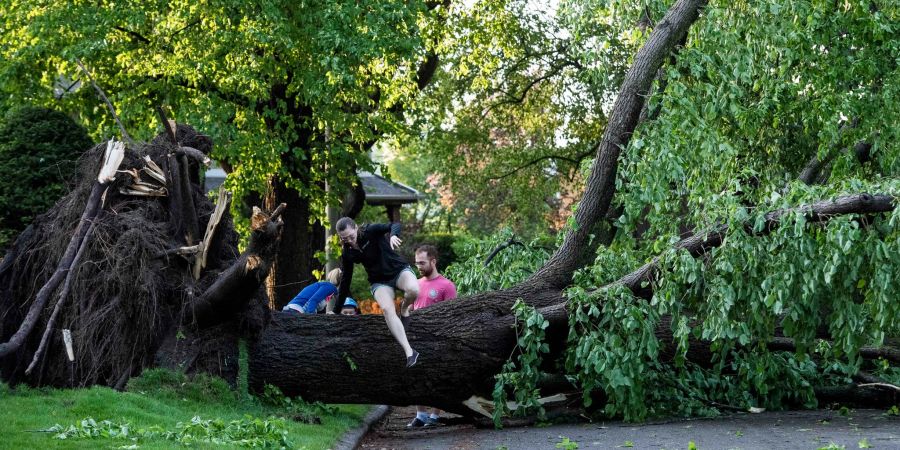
[[375, 254]]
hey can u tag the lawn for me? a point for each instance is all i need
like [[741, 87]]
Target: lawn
[[161, 398]]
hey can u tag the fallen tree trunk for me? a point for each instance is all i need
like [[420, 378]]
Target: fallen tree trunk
[[340, 359], [463, 345]]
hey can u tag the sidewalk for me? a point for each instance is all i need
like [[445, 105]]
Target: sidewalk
[[770, 430]]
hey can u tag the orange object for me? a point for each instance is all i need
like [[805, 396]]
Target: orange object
[[370, 306]]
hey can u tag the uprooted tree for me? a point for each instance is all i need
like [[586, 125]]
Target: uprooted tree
[[144, 270]]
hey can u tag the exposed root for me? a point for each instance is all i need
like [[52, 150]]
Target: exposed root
[[127, 293]]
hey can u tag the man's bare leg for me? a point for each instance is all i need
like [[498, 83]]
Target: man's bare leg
[[407, 283], [384, 295]]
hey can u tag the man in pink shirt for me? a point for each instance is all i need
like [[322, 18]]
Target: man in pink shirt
[[433, 288]]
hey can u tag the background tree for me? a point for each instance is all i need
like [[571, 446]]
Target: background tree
[[264, 79], [38, 150], [509, 126]]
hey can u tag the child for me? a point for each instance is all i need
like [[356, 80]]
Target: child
[[350, 308]]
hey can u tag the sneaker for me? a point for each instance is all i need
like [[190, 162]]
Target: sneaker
[[416, 422], [411, 361], [432, 422]]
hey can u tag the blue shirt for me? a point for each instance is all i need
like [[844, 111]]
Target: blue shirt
[[310, 297]]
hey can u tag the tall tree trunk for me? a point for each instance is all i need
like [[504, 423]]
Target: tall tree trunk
[[300, 241], [579, 246]]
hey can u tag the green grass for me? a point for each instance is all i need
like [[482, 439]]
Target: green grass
[[160, 398]]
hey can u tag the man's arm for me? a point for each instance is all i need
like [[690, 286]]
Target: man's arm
[[382, 228], [378, 229], [346, 278]]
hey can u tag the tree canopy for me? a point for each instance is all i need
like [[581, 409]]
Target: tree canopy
[[265, 79]]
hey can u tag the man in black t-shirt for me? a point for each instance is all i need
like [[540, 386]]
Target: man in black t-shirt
[[386, 269]]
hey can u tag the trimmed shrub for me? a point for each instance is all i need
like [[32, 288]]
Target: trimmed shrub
[[38, 150]]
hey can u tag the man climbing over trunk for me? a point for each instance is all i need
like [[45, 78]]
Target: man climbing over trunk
[[386, 270]]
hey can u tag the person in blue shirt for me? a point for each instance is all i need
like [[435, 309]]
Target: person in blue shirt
[[315, 296]]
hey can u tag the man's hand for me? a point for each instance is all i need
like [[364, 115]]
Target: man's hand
[[395, 242]]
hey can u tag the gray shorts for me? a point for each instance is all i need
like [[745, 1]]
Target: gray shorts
[[393, 283]]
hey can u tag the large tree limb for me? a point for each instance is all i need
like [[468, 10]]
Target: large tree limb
[[63, 296], [576, 248], [463, 343], [235, 286], [639, 281]]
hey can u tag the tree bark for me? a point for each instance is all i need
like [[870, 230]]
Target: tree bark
[[463, 344], [300, 241]]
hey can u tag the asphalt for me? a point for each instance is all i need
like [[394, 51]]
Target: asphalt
[[768, 430]]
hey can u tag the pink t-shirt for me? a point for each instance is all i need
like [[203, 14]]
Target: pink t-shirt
[[434, 291]]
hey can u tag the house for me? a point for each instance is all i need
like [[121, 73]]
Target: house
[[379, 191]]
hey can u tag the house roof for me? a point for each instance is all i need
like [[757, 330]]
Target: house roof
[[379, 190]]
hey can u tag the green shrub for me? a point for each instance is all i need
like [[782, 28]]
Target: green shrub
[[359, 285], [38, 150], [510, 266]]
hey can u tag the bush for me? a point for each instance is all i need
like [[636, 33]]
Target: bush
[[38, 150], [510, 266]]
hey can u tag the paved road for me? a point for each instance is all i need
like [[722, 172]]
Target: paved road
[[775, 430]]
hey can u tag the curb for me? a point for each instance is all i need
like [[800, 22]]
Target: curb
[[351, 439]]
